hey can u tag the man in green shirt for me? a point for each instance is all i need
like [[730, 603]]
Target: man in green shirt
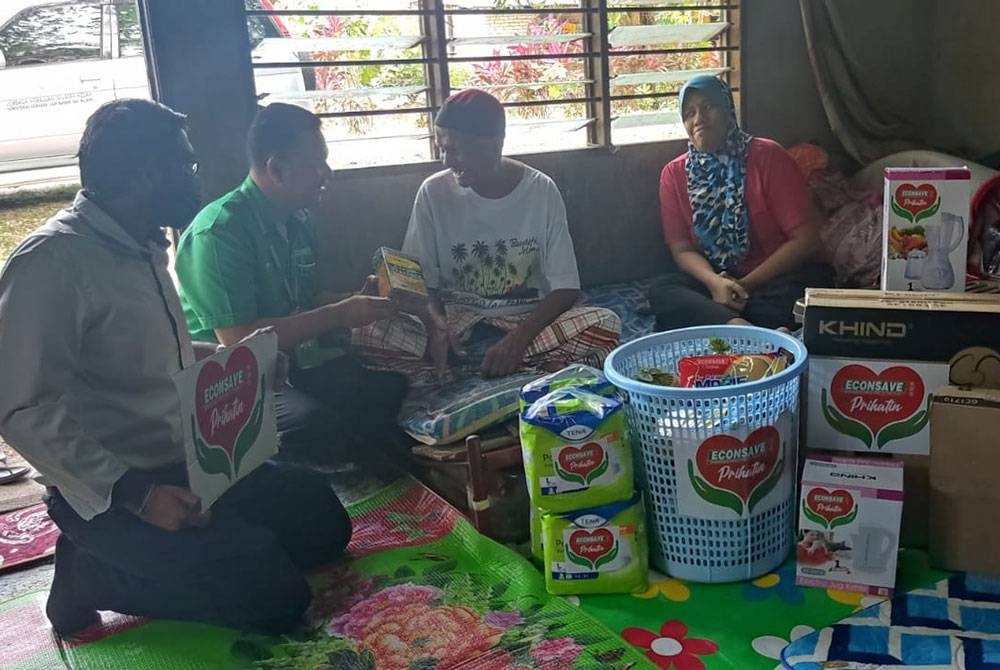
[[248, 261]]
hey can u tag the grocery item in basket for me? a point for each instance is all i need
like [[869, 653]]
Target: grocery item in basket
[[598, 550], [656, 376], [575, 449], [729, 369], [578, 375]]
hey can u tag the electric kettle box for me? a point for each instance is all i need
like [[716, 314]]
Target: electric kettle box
[[965, 479], [925, 225], [849, 520], [875, 358]]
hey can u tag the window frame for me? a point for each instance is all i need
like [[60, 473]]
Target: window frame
[[596, 55]]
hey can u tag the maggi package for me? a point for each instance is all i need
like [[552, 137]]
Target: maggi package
[[580, 376], [575, 450], [598, 550], [729, 369]]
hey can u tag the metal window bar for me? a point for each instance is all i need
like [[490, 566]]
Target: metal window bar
[[598, 82]]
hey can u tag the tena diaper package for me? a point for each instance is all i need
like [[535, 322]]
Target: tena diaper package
[[575, 450], [577, 375], [598, 550]]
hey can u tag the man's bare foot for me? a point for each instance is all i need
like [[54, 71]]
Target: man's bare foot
[[737, 321], [782, 329]]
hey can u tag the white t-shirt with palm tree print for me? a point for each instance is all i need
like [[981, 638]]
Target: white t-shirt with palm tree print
[[495, 255]]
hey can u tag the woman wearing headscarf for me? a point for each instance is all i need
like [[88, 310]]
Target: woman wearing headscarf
[[737, 219]]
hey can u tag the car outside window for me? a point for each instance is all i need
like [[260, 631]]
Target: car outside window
[[53, 33]]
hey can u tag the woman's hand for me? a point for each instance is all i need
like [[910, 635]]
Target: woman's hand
[[727, 291]]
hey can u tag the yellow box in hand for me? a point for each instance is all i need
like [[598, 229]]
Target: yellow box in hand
[[399, 276]]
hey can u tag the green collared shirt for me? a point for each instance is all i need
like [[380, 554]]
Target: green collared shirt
[[241, 261]]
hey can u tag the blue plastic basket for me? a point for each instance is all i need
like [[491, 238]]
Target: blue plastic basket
[[692, 538]]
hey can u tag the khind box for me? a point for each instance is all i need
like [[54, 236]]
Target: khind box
[[848, 537], [876, 357], [925, 229], [965, 479]]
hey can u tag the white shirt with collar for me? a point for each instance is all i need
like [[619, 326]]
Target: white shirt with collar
[[91, 333]]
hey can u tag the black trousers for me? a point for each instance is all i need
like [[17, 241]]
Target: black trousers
[[680, 301], [244, 570], [341, 412]]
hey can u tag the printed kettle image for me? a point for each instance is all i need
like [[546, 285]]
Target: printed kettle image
[[850, 514], [872, 547]]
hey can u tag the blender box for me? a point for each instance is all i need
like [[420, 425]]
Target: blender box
[[964, 490], [876, 357], [925, 229], [849, 516]]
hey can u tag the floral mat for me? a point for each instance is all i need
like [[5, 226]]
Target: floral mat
[[744, 626], [422, 591], [26, 535]]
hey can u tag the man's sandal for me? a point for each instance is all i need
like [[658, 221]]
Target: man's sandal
[[9, 475]]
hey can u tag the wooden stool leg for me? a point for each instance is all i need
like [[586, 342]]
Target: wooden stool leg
[[479, 493]]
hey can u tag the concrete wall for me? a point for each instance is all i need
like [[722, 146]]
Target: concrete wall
[[198, 55], [780, 98]]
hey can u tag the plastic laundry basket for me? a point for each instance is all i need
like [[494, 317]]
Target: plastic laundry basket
[[718, 464]]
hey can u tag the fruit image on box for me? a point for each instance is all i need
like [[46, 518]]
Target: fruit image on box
[[598, 550], [849, 519], [925, 224], [575, 450], [875, 359]]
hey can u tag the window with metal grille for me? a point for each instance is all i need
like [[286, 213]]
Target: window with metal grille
[[571, 73]]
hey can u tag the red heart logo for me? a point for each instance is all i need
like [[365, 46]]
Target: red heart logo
[[585, 463], [739, 466], [592, 545], [830, 505], [225, 398], [877, 400], [916, 199]]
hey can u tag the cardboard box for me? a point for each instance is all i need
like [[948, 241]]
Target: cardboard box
[[915, 530], [965, 480], [849, 518], [925, 229], [876, 357]]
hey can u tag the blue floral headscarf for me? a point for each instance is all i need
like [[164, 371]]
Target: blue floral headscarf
[[716, 184]]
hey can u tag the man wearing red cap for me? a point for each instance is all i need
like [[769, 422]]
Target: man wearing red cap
[[492, 239]]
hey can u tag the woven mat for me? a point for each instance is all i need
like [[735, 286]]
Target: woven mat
[[26, 535], [422, 590]]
